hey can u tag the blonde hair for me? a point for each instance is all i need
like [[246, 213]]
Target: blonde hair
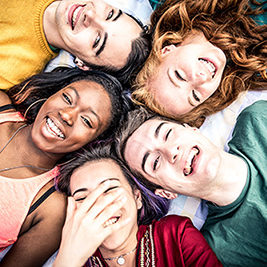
[[226, 24]]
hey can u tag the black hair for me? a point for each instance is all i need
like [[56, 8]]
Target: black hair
[[43, 85], [141, 48]]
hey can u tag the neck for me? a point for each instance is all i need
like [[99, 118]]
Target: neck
[[127, 250], [31, 154], [50, 26], [230, 181]]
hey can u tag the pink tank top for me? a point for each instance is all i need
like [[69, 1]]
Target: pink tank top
[[16, 195]]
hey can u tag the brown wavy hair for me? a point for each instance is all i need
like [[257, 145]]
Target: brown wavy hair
[[228, 25]]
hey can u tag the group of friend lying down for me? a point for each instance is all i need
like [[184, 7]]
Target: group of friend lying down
[[133, 133]]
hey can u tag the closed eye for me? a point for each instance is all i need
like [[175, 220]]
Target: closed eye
[[195, 96], [113, 187], [66, 98], [96, 42], [80, 199], [178, 75], [87, 122], [110, 14]]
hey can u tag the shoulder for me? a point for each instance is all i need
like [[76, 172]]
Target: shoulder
[[172, 223], [4, 99]]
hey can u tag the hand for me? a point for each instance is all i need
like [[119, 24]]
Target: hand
[[84, 229]]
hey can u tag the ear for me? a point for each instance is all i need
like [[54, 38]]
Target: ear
[[165, 194], [138, 199], [167, 49], [80, 64]]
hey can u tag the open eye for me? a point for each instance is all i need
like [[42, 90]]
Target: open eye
[[110, 14], [87, 122], [66, 98], [195, 96], [96, 42], [178, 75], [155, 164]]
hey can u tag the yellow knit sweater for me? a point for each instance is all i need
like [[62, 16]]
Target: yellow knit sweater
[[24, 50]]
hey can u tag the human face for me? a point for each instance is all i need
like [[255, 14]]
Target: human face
[[85, 179], [176, 157], [188, 74], [96, 32], [72, 117]]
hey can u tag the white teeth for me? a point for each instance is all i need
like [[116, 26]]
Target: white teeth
[[209, 65], [74, 16], [111, 221], [54, 128], [188, 165]]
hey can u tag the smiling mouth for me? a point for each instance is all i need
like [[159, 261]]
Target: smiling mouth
[[111, 221], [51, 126], [188, 169], [76, 12], [210, 66]]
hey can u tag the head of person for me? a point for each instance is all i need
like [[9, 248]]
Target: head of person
[[102, 37], [68, 108], [186, 76], [89, 168], [168, 157]]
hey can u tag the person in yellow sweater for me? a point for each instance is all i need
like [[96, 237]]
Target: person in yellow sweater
[[95, 33]]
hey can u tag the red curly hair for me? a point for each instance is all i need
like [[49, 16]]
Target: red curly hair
[[228, 25]]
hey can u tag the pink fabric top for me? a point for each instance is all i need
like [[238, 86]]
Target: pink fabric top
[[16, 195]]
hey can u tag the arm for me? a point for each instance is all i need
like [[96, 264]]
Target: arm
[[84, 229], [42, 235]]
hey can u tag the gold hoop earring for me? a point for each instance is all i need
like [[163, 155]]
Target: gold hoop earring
[[32, 104]]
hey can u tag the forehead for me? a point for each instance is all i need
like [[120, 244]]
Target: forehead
[[92, 173]]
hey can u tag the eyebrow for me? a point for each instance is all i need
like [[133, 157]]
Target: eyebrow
[[75, 91], [102, 47], [156, 134], [119, 14], [86, 189], [158, 129]]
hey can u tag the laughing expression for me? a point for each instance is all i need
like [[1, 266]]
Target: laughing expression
[[72, 117], [178, 158], [96, 32], [188, 74], [86, 178]]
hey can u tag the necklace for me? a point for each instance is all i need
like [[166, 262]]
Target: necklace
[[22, 166], [11, 138], [120, 259]]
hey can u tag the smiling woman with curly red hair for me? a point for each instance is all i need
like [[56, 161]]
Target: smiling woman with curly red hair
[[204, 54]]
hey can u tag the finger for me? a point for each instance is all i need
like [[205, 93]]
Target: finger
[[113, 228], [70, 208], [91, 198], [111, 212], [104, 201]]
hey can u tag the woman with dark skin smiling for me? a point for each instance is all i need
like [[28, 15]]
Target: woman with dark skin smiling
[[204, 54], [36, 133], [117, 221]]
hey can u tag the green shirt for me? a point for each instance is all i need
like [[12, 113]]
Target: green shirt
[[238, 232]]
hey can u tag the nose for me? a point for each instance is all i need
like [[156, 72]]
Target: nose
[[68, 115], [89, 16], [171, 153]]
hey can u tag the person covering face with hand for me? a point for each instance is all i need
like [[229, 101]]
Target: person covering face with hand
[[110, 210]]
